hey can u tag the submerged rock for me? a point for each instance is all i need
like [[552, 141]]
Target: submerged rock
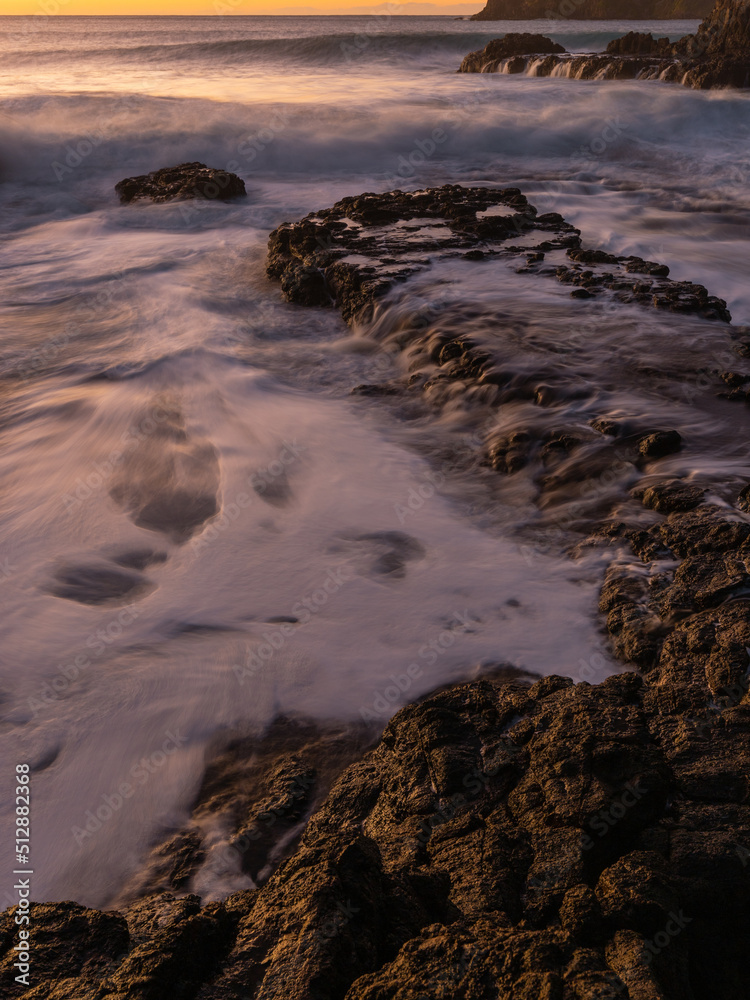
[[188, 180], [259, 790]]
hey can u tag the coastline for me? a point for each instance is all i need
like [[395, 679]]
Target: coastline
[[504, 833], [581, 414]]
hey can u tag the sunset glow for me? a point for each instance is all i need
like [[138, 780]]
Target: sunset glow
[[210, 8]]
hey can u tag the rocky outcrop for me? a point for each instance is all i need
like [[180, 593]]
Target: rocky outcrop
[[637, 43], [592, 10], [500, 841], [718, 55], [310, 257], [510, 45], [188, 180], [355, 254]]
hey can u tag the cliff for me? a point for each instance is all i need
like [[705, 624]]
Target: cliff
[[592, 10]]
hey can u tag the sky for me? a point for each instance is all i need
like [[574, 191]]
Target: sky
[[227, 7]]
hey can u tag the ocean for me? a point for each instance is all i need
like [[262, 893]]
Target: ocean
[[331, 562]]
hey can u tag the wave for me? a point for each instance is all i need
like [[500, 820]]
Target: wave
[[316, 50]]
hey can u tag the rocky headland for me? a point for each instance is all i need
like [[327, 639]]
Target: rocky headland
[[510, 838], [592, 10], [717, 55]]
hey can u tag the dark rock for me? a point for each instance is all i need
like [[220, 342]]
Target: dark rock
[[500, 841], [259, 789], [706, 529], [510, 453], [497, 51], [659, 444], [637, 43], [68, 943], [606, 426], [666, 498], [309, 257], [188, 180]]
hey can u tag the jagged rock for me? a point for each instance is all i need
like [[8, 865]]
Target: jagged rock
[[362, 248], [68, 944], [500, 840], [310, 257], [494, 52], [672, 496], [637, 43], [188, 180]]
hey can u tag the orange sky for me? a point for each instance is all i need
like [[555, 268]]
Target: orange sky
[[198, 6]]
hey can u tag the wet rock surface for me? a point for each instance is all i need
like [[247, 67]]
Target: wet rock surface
[[715, 56], [533, 399], [257, 793], [352, 254], [501, 840], [188, 180], [512, 44]]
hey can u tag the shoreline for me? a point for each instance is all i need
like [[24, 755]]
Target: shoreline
[[540, 833]]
